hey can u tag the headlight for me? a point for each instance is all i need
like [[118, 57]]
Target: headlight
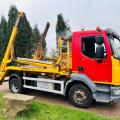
[[116, 92]]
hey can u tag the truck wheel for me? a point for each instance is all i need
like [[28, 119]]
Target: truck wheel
[[80, 96], [15, 85]]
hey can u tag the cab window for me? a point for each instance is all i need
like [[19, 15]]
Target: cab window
[[89, 46]]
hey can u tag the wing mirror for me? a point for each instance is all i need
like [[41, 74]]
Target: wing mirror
[[99, 40], [99, 53], [99, 48]]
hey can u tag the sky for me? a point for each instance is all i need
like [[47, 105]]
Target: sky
[[79, 14]]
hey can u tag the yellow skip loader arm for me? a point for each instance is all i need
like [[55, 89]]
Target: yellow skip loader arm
[[9, 54]]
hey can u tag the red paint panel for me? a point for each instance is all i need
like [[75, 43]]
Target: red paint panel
[[101, 72], [75, 52]]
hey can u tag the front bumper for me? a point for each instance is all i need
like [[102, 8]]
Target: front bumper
[[110, 94], [115, 94]]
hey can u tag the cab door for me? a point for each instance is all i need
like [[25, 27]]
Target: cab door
[[88, 63]]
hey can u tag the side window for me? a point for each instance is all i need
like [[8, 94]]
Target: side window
[[89, 46]]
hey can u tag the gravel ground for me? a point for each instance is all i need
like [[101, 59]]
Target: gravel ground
[[103, 109]]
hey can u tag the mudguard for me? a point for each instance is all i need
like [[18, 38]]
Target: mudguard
[[81, 78]]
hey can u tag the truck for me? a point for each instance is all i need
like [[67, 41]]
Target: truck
[[87, 68]]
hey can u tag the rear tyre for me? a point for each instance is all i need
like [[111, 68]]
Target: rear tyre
[[15, 85], [80, 96]]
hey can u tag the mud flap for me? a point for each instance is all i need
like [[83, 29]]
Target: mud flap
[[0, 82]]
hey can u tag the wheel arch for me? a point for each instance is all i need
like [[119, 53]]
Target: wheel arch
[[14, 75], [80, 79]]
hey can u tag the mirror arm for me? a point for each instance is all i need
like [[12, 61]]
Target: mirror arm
[[99, 60]]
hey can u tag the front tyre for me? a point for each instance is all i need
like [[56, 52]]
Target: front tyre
[[15, 85], [80, 96]]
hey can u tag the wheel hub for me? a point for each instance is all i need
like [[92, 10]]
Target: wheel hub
[[79, 96], [15, 87]]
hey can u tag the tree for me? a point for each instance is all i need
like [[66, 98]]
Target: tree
[[1, 45], [62, 28], [12, 15], [23, 41], [35, 37], [44, 46], [43, 38], [53, 54], [3, 26]]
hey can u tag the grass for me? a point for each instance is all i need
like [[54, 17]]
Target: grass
[[43, 111], [1, 116], [40, 111]]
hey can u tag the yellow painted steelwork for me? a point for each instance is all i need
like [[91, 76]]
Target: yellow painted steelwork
[[46, 67], [29, 65], [65, 54], [115, 71], [10, 49]]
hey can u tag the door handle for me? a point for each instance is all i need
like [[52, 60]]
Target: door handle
[[80, 68]]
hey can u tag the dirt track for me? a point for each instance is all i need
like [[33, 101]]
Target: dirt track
[[103, 109]]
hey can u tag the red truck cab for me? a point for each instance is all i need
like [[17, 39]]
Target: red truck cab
[[84, 58], [96, 64]]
